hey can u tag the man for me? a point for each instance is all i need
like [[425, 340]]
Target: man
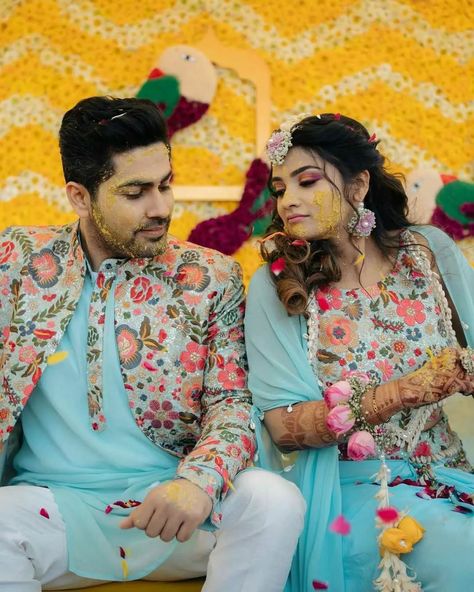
[[124, 411]]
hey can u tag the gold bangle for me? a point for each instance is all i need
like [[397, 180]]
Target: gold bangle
[[375, 409]]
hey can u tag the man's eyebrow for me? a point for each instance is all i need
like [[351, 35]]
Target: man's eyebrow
[[142, 183]]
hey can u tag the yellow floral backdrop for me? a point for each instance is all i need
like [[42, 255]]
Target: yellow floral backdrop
[[403, 67]]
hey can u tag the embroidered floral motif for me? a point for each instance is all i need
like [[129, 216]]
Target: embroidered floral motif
[[141, 290], [194, 357], [192, 276], [183, 362], [129, 346], [44, 268], [161, 414], [393, 322], [6, 250]]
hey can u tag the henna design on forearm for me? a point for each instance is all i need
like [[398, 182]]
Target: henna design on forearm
[[437, 379], [305, 427]]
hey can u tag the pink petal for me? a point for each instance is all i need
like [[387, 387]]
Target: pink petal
[[299, 242], [108, 509], [278, 266], [323, 303], [44, 513], [317, 585], [340, 526], [387, 515]]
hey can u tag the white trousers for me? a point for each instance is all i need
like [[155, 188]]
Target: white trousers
[[251, 551]]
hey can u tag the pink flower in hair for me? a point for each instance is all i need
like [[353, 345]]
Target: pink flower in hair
[[278, 146]]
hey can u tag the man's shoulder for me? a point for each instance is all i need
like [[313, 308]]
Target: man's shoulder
[[180, 252], [36, 234], [19, 243]]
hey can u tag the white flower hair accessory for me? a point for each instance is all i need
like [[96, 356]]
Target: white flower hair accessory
[[280, 141]]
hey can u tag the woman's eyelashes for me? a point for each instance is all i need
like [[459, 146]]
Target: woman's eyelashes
[[308, 181], [304, 182]]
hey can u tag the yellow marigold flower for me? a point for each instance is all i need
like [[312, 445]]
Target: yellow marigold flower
[[412, 529], [395, 541]]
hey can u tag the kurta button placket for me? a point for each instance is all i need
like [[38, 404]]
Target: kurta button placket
[[95, 340]]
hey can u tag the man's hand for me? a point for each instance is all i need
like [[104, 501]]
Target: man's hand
[[174, 509]]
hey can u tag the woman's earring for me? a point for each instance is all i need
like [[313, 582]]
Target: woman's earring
[[362, 222]]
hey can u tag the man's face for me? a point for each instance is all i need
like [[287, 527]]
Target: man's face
[[132, 210]]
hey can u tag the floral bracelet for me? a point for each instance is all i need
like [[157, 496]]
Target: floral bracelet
[[344, 399]]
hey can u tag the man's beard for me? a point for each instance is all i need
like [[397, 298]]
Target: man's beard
[[129, 248]]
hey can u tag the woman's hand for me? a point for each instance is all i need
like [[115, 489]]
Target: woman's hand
[[439, 378]]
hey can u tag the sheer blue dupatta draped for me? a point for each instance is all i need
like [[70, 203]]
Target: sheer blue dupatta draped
[[457, 275], [279, 375]]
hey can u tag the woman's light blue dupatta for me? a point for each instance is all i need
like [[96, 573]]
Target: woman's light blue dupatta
[[280, 374]]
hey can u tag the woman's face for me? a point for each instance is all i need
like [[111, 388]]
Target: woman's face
[[309, 193]]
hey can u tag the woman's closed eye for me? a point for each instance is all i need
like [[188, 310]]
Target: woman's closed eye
[[308, 181]]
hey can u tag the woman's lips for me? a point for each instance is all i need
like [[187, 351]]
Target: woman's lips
[[296, 219]]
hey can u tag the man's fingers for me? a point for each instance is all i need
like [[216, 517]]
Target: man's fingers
[[185, 531], [127, 523], [156, 523], [171, 528], [138, 518]]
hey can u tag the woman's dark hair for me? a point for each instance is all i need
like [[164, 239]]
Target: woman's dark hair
[[97, 128], [347, 145]]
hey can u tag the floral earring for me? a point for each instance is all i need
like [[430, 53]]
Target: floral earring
[[362, 222]]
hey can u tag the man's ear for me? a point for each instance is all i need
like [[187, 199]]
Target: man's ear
[[79, 198], [359, 188]]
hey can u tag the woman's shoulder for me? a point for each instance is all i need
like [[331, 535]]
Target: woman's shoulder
[[431, 236], [261, 280]]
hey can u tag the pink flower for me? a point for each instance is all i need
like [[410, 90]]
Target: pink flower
[[27, 354], [423, 449], [340, 526], [318, 585], [388, 515], [194, 358], [333, 296], [412, 311], [337, 393], [360, 445], [232, 377], [385, 368], [6, 249], [141, 290], [278, 266], [340, 419], [362, 376], [339, 331]]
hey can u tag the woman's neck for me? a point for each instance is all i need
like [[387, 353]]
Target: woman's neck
[[361, 262]]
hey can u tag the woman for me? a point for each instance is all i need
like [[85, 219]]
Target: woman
[[352, 292]]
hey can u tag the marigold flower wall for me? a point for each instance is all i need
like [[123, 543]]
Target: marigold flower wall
[[403, 67]]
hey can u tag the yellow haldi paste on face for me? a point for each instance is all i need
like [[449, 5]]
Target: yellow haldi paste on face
[[328, 216]]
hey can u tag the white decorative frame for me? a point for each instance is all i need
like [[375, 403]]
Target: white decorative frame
[[249, 65]]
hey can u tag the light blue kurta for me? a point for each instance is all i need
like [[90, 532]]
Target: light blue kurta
[[279, 375], [89, 470]]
